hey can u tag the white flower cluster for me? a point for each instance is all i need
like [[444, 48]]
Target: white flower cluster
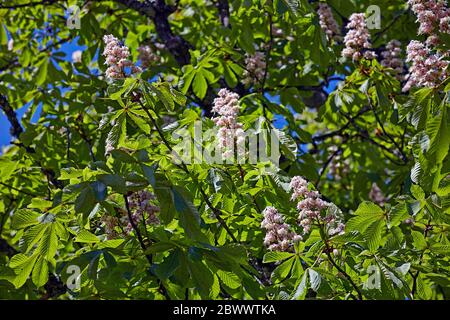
[[392, 58], [433, 16], [328, 22], [279, 237], [311, 208], [255, 68], [141, 203], [227, 106], [116, 56], [142, 207], [147, 56], [357, 40], [427, 69]]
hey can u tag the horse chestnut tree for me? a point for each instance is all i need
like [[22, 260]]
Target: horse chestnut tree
[[137, 163]]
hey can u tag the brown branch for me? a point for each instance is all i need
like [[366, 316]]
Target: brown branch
[[162, 289], [159, 12], [428, 227], [340, 131], [16, 128]]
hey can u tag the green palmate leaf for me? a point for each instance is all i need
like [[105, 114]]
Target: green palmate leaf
[[116, 182], [18, 260], [40, 204], [41, 74], [170, 264], [315, 279], [273, 256], [24, 218], [229, 279], [423, 288], [149, 174], [40, 272], [438, 131], [85, 201], [366, 214], [215, 288], [86, 237], [199, 85], [440, 249], [24, 272], [301, 289], [159, 247], [7, 168], [397, 214], [115, 93], [188, 215], [34, 235], [118, 132], [49, 243], [167, 206], [202, 277], [419, 240], [3, 35], [164, 95], [373, 235], [282, 271]]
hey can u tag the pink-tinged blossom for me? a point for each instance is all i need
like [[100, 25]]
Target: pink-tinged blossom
[[142, 205], [357, 40], [444, 25], [328, 22], [147, 56], [376, 195], [312, 209], [427, 69], [433, 16], [116, 57], [279, 236], [226, 105], [392, 58], [255, 68]]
